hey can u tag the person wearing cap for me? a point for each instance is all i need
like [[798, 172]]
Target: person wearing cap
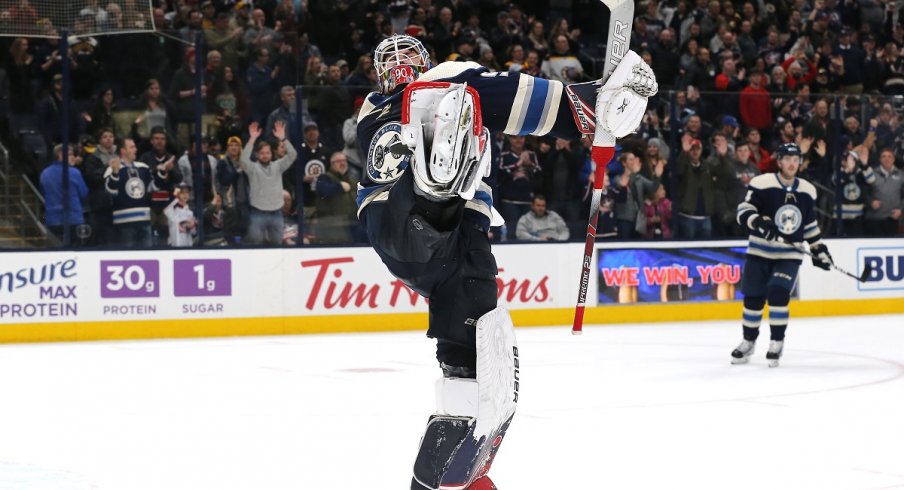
[[183, 227], [853, 58], [696, 193], [731, 129], [317, 156], [208, 13], [225, 39]]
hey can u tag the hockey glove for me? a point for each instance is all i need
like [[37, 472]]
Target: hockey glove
[[821, 257], [763, 227], [622, 101]]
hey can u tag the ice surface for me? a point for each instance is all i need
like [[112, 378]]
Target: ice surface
[[621, 407]]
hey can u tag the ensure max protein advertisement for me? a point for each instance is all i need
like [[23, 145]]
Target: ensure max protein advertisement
[[659, 275]]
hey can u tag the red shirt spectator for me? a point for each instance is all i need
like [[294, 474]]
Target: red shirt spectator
[[799, 70], [756, 107]]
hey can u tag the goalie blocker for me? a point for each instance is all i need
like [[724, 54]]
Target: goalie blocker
[[472, 414]]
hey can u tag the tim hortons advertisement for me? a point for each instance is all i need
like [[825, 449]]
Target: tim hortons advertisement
[[354, 280]]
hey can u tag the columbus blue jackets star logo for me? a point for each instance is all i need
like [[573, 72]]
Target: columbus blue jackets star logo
[[384, 166]]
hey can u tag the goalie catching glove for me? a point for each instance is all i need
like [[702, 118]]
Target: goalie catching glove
[[821, 256], [622, 101]]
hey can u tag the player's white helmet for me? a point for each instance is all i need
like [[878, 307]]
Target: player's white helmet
[[399, 60]]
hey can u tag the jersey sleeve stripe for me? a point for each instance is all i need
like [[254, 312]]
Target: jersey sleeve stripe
[[551, 108], [519, 108], [538, 99]]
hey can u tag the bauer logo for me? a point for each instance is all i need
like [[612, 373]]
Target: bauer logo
[[886, 266]]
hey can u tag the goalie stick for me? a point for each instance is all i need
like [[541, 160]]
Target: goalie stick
[[621, 16]]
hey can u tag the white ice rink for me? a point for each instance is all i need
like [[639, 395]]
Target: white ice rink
[[624, 407]]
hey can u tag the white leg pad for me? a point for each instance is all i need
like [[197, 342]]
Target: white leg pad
[[497, 371], [456, 397]]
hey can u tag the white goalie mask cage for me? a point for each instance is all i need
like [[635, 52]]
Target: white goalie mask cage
[[444, 119], [398, 60]]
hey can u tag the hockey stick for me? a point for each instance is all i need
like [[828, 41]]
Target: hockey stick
[[621, 17], [867, 270]]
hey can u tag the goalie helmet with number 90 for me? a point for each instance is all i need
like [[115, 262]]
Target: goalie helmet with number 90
[[399, 60]]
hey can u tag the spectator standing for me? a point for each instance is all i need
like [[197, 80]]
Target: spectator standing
[[285, 113], [756, 105], [262, 85], [856, 177], [541, 224], [317, 156], [854, 59], [265, 180], [885, 198], [633, 187], [334, 106], [130, 183], [259, 35], [51, 184], [159, 159], [658, 211], [336, 205], [183, 226], [50, 113], [696, 191], [233, 189], [225, 39]]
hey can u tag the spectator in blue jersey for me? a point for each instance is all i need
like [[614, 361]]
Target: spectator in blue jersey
[[52, 189], [854, 180], [131, 183]]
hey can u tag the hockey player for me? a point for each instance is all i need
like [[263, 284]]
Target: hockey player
[[780, 214], [427, 214]]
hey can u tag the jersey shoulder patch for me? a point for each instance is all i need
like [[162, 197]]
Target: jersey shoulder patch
[[384, 166]]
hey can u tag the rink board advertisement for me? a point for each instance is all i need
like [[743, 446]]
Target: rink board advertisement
[[181, 293], [644, 275], [168, 284]]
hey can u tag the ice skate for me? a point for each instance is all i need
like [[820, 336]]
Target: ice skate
[[774, 354], [742, 353]]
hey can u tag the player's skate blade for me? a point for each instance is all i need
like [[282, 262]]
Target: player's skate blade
[[742, 353], [774, 354]]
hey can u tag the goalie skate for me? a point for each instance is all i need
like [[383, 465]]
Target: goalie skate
[[742, 353], [443, 120], [774, 354]]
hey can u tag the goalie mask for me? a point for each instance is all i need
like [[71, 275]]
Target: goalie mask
[[399, 60]]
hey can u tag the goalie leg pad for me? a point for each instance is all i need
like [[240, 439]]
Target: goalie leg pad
[[473, 415]]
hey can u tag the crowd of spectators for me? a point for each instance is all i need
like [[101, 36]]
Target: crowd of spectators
[[738, 78]]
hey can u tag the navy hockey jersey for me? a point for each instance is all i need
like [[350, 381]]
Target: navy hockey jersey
[[853, 192], [512, 103], [792, 209]]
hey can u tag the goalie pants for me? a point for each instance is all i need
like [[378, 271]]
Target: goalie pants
[[442, 252]]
